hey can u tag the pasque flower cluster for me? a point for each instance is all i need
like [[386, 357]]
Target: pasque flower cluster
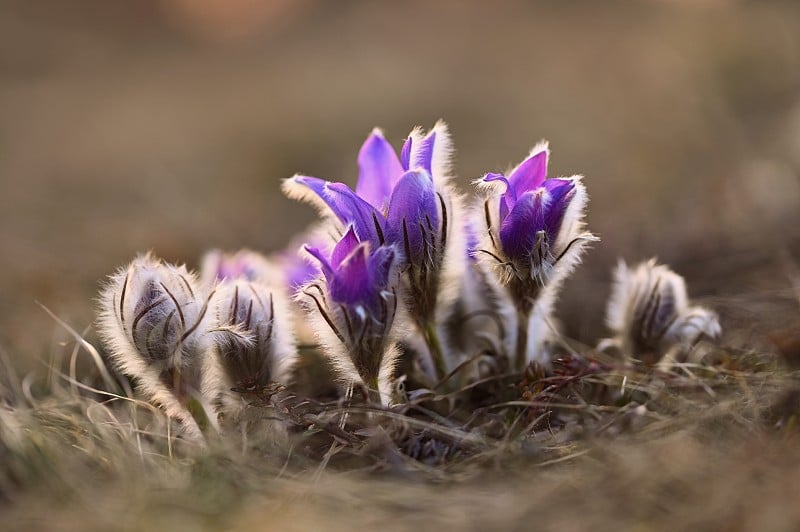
[[403, 278]]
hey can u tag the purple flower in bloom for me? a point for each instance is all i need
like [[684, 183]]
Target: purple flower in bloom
[[356, 299], [531, 220], [243, 265], [296, 266], [356, 277], [532, 238], [396, 200], [405, 201]]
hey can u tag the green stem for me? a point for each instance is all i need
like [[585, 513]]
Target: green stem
[[373, 393], [522, 339], [435, 348]]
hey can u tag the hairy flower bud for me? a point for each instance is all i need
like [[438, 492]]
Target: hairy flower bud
[[154, 321], [255, 346], [650, 315]]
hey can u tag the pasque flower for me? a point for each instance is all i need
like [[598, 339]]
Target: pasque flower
[[533, 237], [154, 321], [244, 264], [258, 348], [650, 314], [355, 303], [404, 201]]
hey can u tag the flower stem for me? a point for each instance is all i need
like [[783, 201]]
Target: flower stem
[[521, 355], [435, 348], [373, 393]]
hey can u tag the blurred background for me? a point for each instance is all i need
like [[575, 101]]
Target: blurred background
[[168, 125]]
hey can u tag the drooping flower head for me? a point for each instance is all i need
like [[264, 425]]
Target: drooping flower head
[[356, 301], [650, 315]]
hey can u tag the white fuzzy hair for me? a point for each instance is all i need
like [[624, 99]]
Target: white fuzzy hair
[[442, 160], [119, 307], [452, 272], [295, 190], [652, 289], [281, 350]]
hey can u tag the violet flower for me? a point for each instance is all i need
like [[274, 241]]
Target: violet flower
[[245, 265], [533, 237], [355, 305], [296, 267], [407, 202]]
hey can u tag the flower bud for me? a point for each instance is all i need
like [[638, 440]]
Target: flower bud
[[650, 315]]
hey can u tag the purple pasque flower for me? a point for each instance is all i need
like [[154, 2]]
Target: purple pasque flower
[[295, 266], [396, 200], [247, 265], [532, 221], [400, 200], [532, 238], [405, 201], [356, 299], [154, 320], [651, 316]]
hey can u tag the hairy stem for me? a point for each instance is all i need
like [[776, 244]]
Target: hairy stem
[[373, 393], [521, 351], [524, 294], [435, 349]]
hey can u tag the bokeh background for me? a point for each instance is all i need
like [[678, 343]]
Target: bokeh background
[[168, 125]]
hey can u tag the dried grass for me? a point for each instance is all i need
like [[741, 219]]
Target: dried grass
[[596, 443]]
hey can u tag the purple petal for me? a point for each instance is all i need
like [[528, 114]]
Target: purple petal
[[422, 153], [344, 247], [508, 198], [351, 283], [413, 204], [323, 261], [298, 272], [529, 175], [316, 184], [368, 223], [560, 195], [378, 170], [380, 265], [518, 230], [496, 176], [405, 153], [472, 241]]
